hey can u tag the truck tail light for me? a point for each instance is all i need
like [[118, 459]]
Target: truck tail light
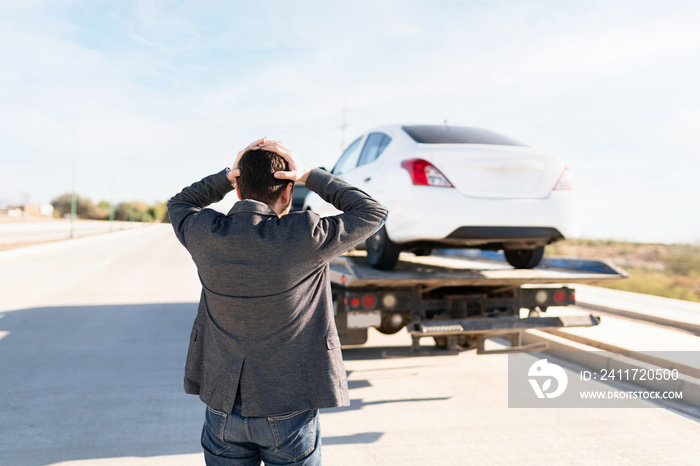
[[565, 181], [545, 297], [423, 173], [559, 296], [365, 301]]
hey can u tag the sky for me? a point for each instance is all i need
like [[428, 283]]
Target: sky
[[133, 100]]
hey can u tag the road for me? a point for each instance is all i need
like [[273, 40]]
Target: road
[[93, 338]]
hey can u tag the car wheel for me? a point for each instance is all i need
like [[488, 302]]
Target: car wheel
[[524, 258], [382, 252]]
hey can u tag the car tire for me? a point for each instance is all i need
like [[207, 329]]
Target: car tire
[[524, 258], [382, 252]]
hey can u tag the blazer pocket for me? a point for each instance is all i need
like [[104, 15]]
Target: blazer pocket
[[332, 341]]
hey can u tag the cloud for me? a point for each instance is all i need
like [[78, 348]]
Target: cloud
[[158, 91]]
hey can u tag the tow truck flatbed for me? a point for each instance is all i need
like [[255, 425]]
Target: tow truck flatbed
[[353, 271], [457, 301]]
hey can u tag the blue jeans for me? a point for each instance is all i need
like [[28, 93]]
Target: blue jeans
[[291, 439]]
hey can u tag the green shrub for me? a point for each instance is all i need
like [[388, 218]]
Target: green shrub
[[683, 260]]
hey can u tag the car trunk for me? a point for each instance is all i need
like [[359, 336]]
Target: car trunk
[[496, 172]]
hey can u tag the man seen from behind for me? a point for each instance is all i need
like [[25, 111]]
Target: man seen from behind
[[264, 352]]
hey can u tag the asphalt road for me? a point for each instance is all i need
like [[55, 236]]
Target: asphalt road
[[93, 336]]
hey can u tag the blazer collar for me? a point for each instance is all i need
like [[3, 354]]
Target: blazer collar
[[253, 207]]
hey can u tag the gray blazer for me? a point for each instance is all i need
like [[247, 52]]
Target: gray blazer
[[265, 319]]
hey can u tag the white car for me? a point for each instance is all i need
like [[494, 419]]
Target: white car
[[457, 187]]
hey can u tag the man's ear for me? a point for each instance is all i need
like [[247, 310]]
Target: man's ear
[[286, 194]]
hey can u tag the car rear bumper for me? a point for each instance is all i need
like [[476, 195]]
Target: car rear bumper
[[434, 217], [506, 234]]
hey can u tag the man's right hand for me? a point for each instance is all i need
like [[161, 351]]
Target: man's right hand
[[235, 172]]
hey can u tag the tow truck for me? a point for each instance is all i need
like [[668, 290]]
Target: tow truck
[[458, 301]]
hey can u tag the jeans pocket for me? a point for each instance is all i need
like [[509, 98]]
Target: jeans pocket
[[295, 434], [213, 432]]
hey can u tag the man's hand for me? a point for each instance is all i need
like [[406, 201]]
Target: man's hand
[[297, 170], [235, 172]]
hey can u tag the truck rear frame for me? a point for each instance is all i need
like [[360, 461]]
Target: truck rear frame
[[458, 302]]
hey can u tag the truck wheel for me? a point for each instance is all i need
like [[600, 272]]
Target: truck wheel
[[524, 258], [382, 253]]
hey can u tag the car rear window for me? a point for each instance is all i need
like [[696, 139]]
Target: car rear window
[[442, 134]]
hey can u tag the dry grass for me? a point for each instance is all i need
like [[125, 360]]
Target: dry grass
[[669, 270]]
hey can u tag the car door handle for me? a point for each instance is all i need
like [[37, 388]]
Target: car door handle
[[368, 179]]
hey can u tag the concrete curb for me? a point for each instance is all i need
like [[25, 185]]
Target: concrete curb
[[64, 243], [648, 358], [671, 323], [595, 358]]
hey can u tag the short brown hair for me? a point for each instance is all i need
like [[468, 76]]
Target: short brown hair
[[257, 180]]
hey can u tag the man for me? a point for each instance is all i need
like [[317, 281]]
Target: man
[[264, 352]]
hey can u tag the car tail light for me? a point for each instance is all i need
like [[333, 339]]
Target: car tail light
[[425, 174], [565, 181]]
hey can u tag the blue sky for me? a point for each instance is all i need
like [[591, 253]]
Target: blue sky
[[152, 95]]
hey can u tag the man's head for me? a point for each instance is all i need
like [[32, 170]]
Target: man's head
[[257, 180]]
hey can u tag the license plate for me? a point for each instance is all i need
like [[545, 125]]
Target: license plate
[[364, 319]]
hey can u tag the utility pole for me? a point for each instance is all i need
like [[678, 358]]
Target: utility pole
[[73, 200], [111, 192], [343, 125]]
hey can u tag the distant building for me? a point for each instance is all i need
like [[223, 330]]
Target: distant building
[[28, 211]]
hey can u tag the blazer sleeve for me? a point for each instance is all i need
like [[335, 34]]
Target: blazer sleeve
[[362, 215], [184, 206]]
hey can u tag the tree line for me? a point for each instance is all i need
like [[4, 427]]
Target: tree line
[[125, 211]]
